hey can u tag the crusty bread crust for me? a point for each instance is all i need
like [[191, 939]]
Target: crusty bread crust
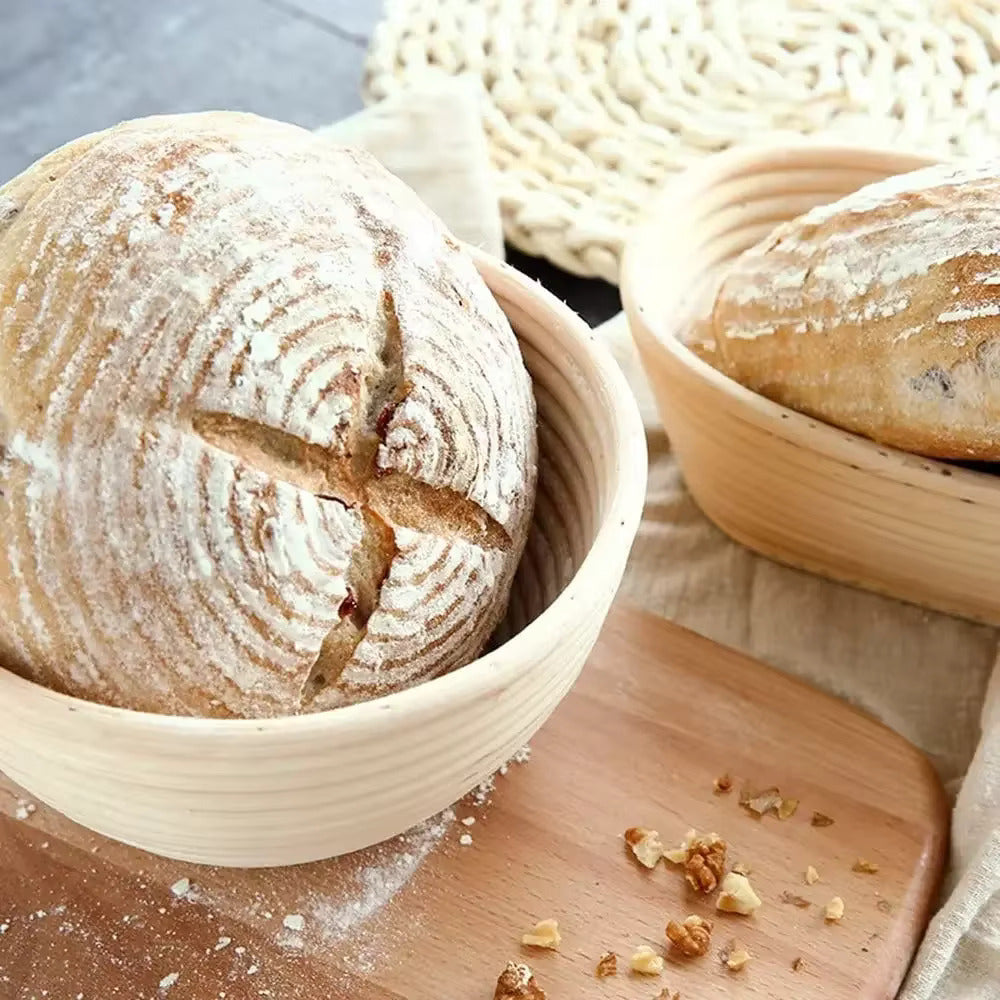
[[879, 313], [267, 442]]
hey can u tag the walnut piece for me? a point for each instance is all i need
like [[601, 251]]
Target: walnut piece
[[691, 938], [703, 856], [667, 994], [723, 785], [760, 802], [742, 868], [545, 934], [705, 862], [737, 895], [517, 982], [645, 844], [796, 964], [646, 962], [769, 800], [812, 876], [787, 807], [607, 965], [793, 900], [821, 819], [735, 956], [834, 909], [865, 867]]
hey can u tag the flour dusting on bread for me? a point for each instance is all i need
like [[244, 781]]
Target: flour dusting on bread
[[268, 428]]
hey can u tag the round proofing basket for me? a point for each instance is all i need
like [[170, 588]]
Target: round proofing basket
[[790, 487], [290, 790]]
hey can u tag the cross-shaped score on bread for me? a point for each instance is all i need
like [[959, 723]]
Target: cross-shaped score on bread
[[386, 499]]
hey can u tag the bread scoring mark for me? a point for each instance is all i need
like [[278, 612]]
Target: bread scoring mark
[[409, 503], [387, 499]]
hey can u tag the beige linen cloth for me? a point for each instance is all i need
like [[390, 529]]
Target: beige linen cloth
[[924, 674]]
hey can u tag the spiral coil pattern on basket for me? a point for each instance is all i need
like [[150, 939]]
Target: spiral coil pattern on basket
[[589, 105]]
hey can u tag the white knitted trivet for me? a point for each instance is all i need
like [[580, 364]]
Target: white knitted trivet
[[589, 105]]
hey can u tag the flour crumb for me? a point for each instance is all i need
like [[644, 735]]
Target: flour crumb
[[223, 942], [4, 928], [294, 922], [181, 887], [482, 792], [469, 821], [465, 840], [240, 950], [168, 982], [252, 971], [24, 809]]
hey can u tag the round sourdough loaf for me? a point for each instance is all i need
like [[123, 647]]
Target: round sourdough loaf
[[267, 443], [879, 313]]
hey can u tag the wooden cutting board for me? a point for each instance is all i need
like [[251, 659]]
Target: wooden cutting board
[[658, 714]]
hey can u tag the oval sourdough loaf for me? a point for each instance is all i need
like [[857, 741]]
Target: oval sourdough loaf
[[879, 313], [267, 442]]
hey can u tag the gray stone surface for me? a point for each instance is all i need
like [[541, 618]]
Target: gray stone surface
[[72, 66]]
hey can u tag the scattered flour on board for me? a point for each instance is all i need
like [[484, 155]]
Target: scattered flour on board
[[168, 982], [380, 881], [24, 809]]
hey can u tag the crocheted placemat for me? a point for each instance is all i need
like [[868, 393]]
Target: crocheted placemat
[[589, 105]]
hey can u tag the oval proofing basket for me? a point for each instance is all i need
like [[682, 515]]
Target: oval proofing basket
[[792, 488], [290, 790]]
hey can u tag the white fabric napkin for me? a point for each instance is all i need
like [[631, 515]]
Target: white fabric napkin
[[926, 675]]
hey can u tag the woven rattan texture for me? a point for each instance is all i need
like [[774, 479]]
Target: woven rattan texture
[[589, 105]]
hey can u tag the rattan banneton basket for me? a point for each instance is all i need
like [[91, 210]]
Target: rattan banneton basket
[[786, 485], [283, 791]]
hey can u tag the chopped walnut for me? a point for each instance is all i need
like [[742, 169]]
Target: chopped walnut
[[820, 819], [645, 844], [865, 867], [812, 876], [793, 900], [646, 962], [787, 808], [517, 982], [545, 934], [723, 785], [666, 994], [607, 965], [705, 862], [693, 937], [735, 956], [703, 856], [742, 868], [834, 909], [796, 964], [737, 895], [761, 802]]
